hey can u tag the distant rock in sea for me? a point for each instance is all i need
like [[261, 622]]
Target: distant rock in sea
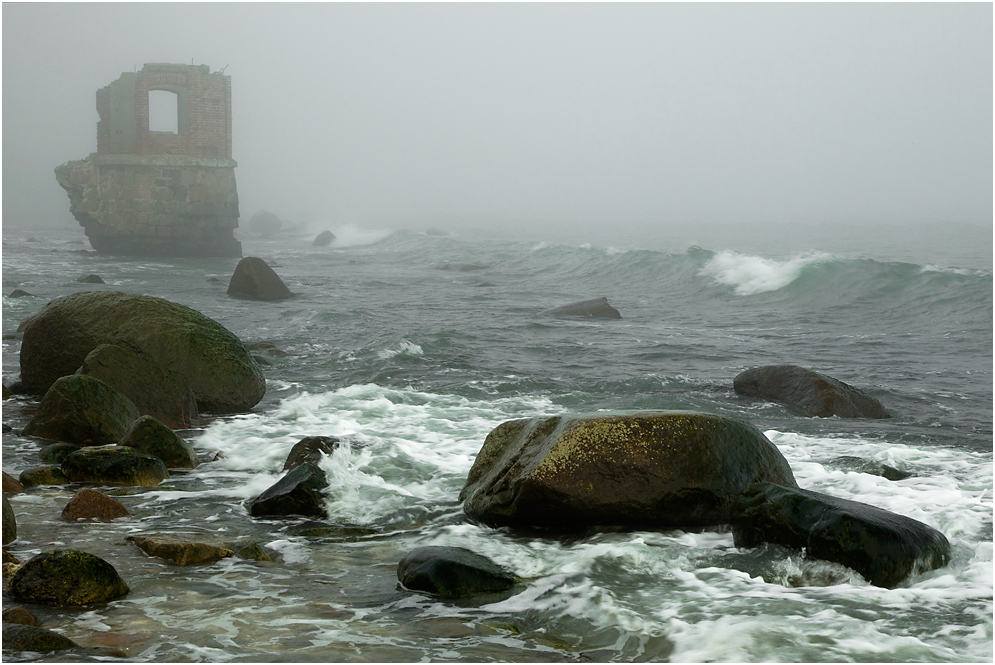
[[254, 279], [596, 308], [807, 393], [324, 239]]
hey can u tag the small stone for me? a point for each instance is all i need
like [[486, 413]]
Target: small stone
[[19, 615], [88, 503], [178, 552], [18, 293], [90, 279]]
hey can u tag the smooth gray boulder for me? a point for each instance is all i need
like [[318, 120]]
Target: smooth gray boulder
[[299, 492], [151, 436], [83, 410], [254, 279], [807, 393], [324, 239], [452, 572], [596, 308]]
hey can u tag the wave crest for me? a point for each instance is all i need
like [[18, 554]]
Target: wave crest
[[754, 274]]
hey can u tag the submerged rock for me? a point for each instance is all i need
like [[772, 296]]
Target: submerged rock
[[310, 449], [597, 308], [299, 492], [43, 475], [807, 393], [324, 239], [67, 577], [22, 637], [256, 280], [452, 572], [882, 546], [180, 552], [83, 410], [9, 522], [118, 465], [872, 467], [153, 389], [88, 503], [58, 339], [151, 436], [655, 469], [90, 279], [18, 293]]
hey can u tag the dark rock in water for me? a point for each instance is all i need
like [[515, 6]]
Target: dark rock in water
[[256, 280], [43, 475], [324, 239], [262, 362], [151, 436], [269, 348], [807, 393], [7, 394], [872, 467], [57, 452], [88, 503], [180, 552], [883, 547], [463, 267], [299, 492], [452, 572], [23, 325], [58, 339], [20, 616], [11, 485], [118, 465], [597, 308], [20, 637], [17, 293], [155, 390], [214, 280], [90, 279], [84, 410], [252, 552], [310, 449], [65, 578], [9, 523], [264, 222], [652, 469]]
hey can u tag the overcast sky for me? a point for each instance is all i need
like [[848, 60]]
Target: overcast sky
[[634, 115]]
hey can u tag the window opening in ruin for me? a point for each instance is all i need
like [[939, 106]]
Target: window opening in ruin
[[164, 113]]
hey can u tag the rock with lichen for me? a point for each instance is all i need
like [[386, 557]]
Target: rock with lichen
[[650, 469], [83, 410], [180, 552], [117, 465], [67, 578]]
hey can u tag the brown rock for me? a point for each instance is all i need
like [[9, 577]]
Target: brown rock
[[178, 552], [19, 615], [11, 485], [90, 504]]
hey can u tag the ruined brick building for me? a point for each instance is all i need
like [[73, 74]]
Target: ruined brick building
[[159, 193]]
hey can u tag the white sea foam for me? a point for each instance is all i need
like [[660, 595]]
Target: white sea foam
[[754, 274], [403, 348], [350, 235]]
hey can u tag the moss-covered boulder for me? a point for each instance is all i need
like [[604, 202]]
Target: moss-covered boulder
[[180, 552], [299, 492], [88, 503], [9, 523], [882, 546], [21, 637], [310, 449], [156, 391], [651, 469], [153, 437], [255, 280], [452, 572], [807, 393], [82, 410], [114, 465], [57, 340], [43, 475], [65, 578], [56, 452]]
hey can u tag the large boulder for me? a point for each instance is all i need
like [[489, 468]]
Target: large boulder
[[255, 280], [151, 436], [597, 308], [323, 239], [155, 390], [115, 465], [807, 393], [9, 523], [651, 469], [310, 449], [21, 637], [883, 547], [88, 503], [452, 572], [299, 492], [224, 378], [65, 578], [180, 552], [83, 410]]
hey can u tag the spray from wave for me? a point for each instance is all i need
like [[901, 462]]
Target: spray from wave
[[754, 274], [350, 235]]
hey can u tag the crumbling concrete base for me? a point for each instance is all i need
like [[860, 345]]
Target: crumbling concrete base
[[162, 205]]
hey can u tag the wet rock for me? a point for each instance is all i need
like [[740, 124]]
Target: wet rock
[[19, 615], [83, 410], [43, 475], [58, 339], [252, 552], [264, 222], [67, 577], [56, 453], [10, 558], [11, 485], [88, 503], [9, 523], [180, 552], [154, 390], [7, 394], [117, 465], [269, 348], [17, 293], [872, 467], [597, 308], [324, 239], [90, 279], [299, 492], [151, 436], [882, 546], [25, 322], [20, 637], [310, 449], [452, 572], [651, 469], [262, 362], [807, 393], [255, 280]]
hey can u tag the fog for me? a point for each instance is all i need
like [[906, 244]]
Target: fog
[[628, 118]]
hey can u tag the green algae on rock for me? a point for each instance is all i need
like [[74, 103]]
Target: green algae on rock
[[118, 465], [67, 578], [153, 437], [83, 410]]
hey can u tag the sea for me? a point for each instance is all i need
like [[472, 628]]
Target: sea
[[410, 345]]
